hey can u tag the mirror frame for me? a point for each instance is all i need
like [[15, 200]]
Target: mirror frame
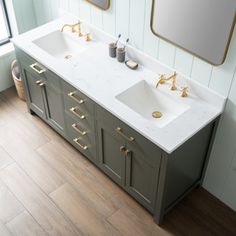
[[106, 8], [186, 50]]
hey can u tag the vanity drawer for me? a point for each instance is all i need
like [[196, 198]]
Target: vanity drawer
[[82, 137], [74, 97], [84, 107], [79, 127], [44, 74], [133, 139], [83, 117]]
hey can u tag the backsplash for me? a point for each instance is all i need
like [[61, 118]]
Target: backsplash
[[131, 18]]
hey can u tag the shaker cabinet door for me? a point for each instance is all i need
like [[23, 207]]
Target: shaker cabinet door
[[34, 92], [141, 179], [55, 107], [111, 157]]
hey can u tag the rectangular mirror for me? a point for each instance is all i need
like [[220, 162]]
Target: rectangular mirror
[[201, 27], [102, 4]]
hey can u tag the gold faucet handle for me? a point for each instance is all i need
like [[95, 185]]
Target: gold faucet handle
[[87, 37], [161, 80], [184, 92]]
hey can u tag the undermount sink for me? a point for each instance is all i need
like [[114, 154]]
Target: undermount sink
[[151, 104], [59, 45]]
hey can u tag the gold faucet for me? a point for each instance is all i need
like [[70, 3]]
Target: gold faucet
[[184, 92], [73, 28], [163, 79]]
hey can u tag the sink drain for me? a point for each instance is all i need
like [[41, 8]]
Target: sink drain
[[157, 114], [68, 56]]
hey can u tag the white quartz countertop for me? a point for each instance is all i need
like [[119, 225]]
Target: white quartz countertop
[[102, 78]]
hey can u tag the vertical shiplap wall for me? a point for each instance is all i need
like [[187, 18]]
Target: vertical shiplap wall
[[25, 15], [131, 18], [5, 71]]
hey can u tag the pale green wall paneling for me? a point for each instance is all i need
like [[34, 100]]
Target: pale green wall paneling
[[220, 172], [229, 194], [74, 6], [25, 15], [183, 62], [151, 42], [222, 75], [109, 19], [131, 19], [85, 11], [201, 71], [96, 17], [5, 71], [48, 11], [136, 23], [122, 18], [166, 53], [64, 4], [55, 4], [43, 11]]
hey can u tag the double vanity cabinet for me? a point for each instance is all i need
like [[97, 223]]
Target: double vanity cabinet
[[157, 180]]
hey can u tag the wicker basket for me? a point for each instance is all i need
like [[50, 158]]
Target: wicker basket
[[17, 80]]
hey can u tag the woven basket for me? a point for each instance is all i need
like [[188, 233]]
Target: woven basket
[[17, 80]]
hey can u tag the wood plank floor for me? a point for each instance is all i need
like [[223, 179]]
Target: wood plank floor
[[48, 188]]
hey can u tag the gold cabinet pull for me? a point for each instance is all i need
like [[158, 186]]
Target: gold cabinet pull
[[122, 149], [127, 152], [75, 127], [38, 82], [41, 84], [84, 147], [73, 110], [120, 132], [37, 68], [72, 96]]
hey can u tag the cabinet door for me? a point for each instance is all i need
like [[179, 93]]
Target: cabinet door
[[34, 91], [142, 177], [54, 107], [111, 158]]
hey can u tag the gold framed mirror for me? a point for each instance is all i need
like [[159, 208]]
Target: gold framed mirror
[[202, 28], [102, 4]]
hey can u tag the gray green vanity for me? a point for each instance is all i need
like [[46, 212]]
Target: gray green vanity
[[156, 179]]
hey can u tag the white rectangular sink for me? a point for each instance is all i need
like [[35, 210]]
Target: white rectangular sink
[[60, 45], [146, 100]]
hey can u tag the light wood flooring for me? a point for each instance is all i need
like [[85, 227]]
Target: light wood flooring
[[48, 188]]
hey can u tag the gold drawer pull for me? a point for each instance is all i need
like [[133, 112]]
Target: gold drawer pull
[[37, 68], [71, 95], [76, 140], [122, 149], [127, 152], [120, 132], [38, 82], [75, 127], [73, 110]]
